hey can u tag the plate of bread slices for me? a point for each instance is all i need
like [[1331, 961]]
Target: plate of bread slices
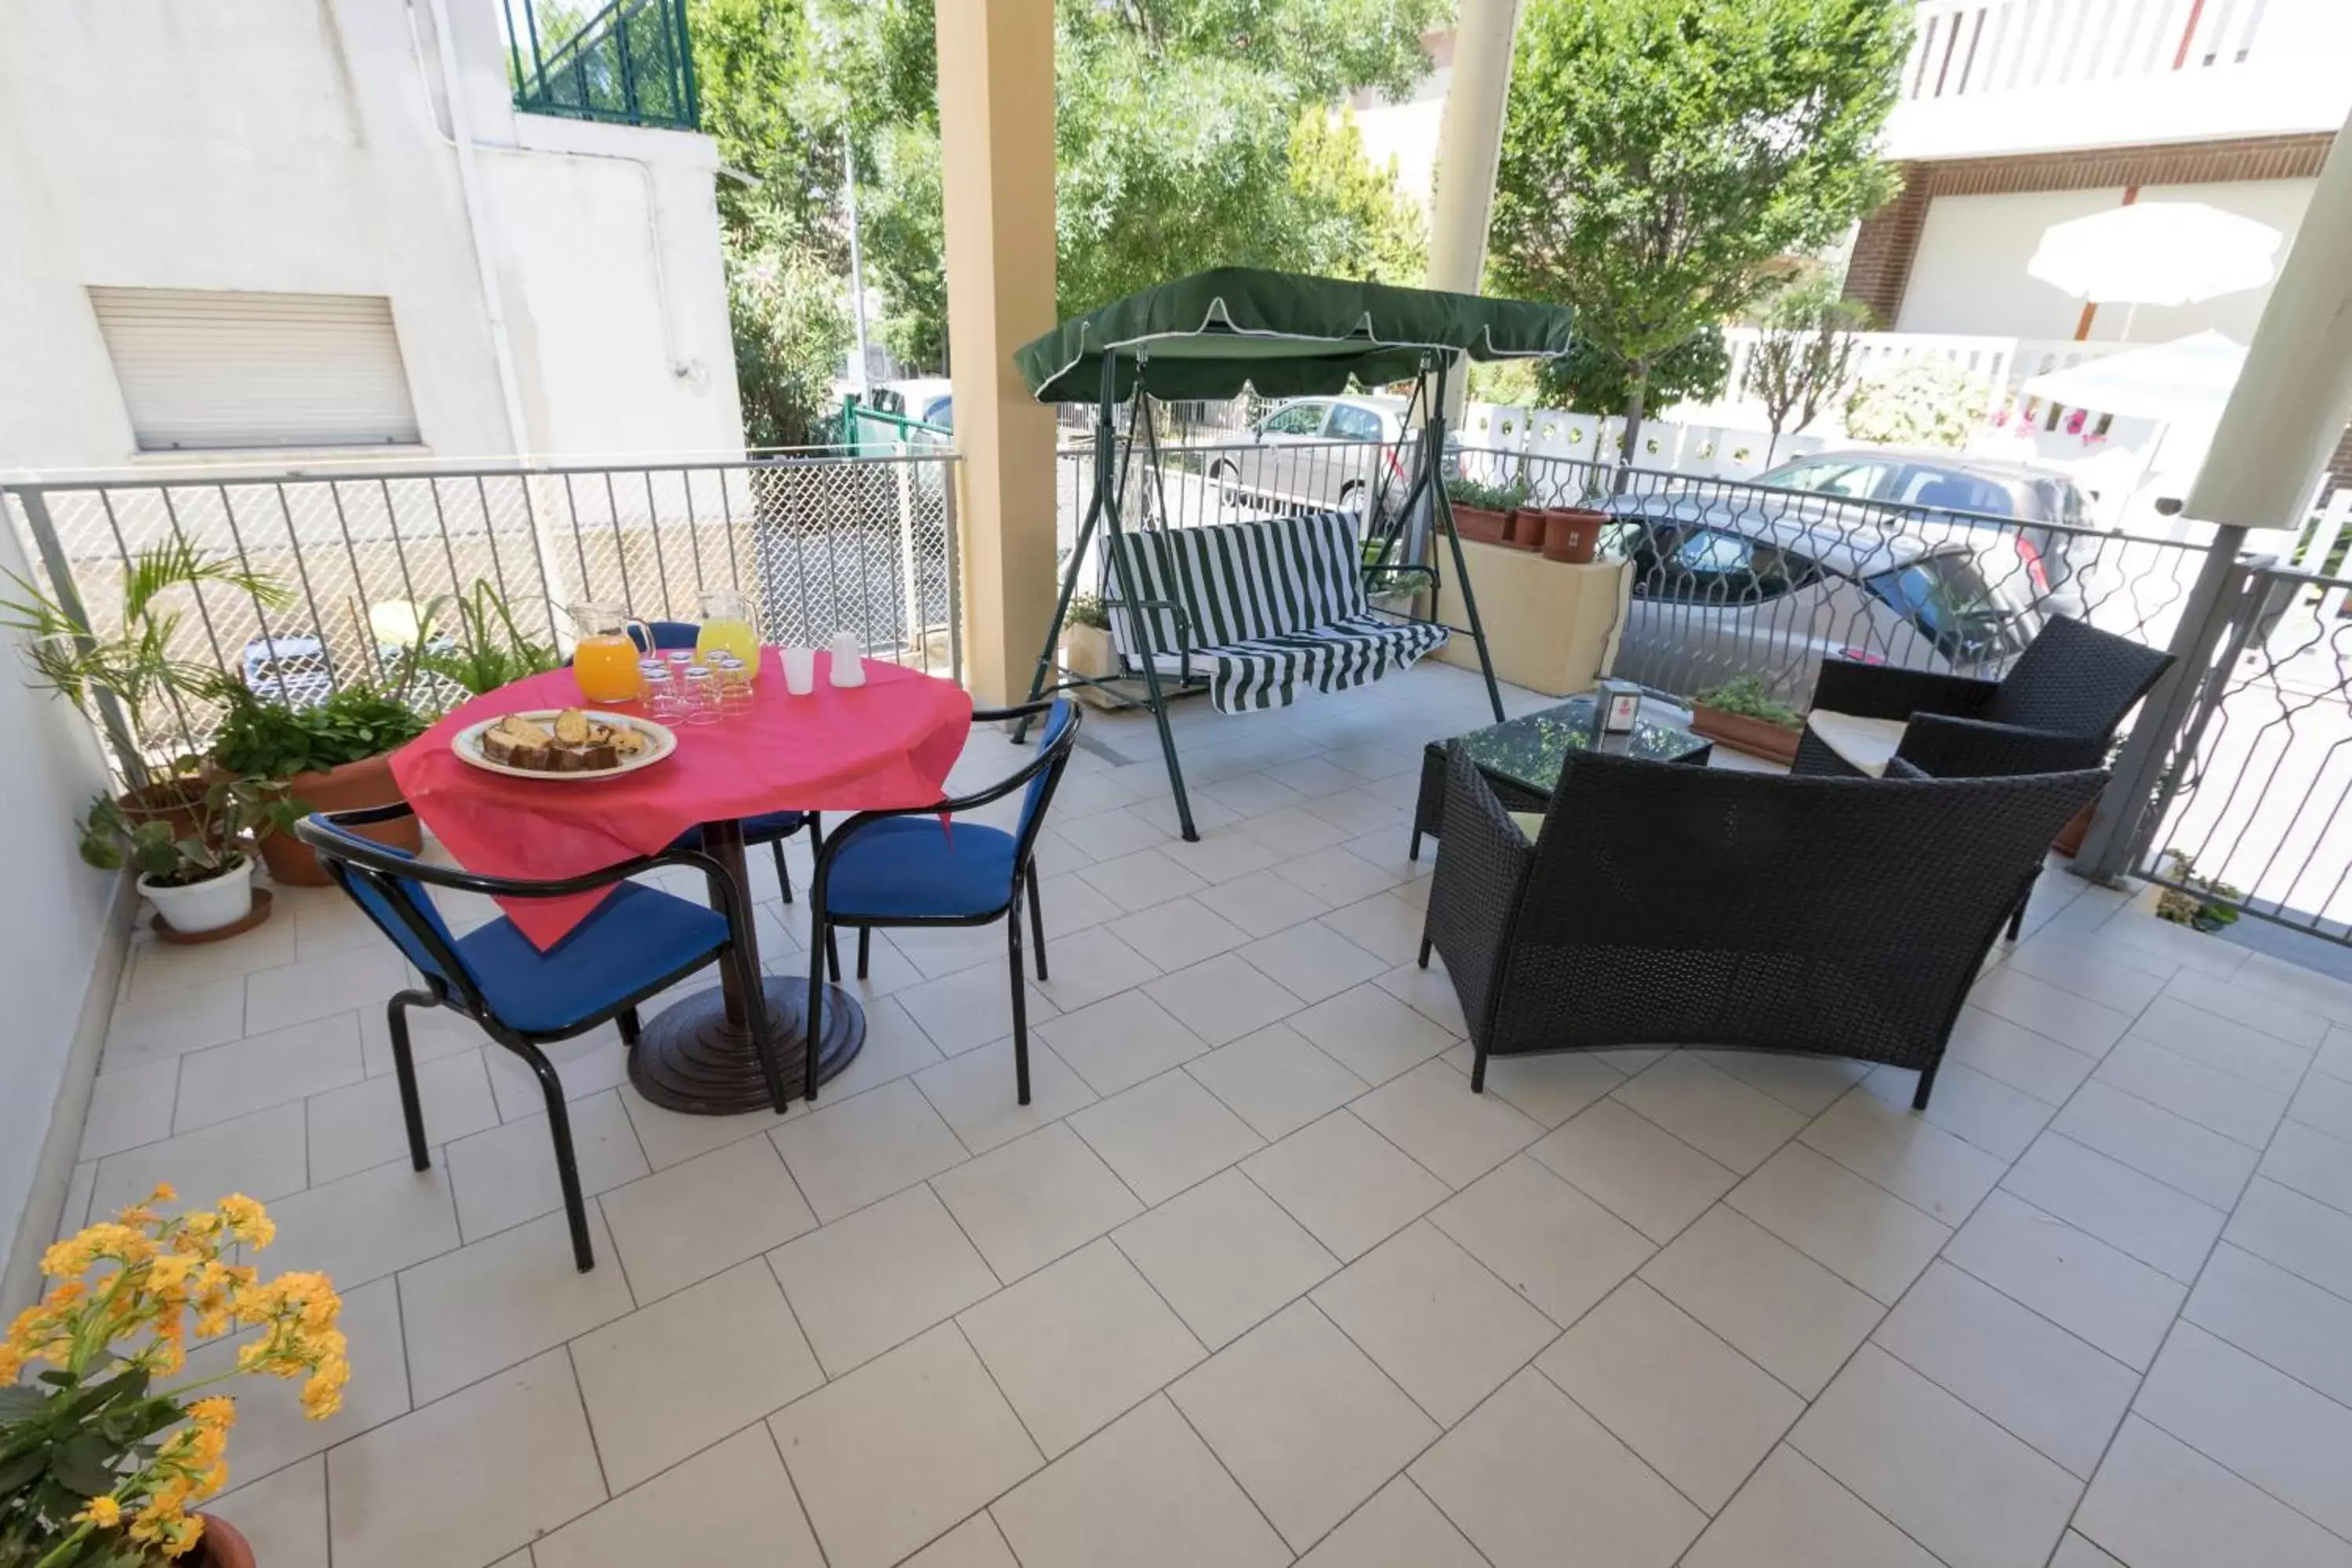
[[567, 743]]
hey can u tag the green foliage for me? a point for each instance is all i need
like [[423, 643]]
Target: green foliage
[[189, 829], [1925, 402], [264, 738], [1592, 379], [2207, 905], [1746, 697], [1086, 610], [491, 649], [1506, 496], [1659, 155], [790, 328], [1805, 352]]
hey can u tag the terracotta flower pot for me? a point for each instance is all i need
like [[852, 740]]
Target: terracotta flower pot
[[220, 1546], [1572, 534], [1481, 525], [367, 782], [1525, 527], [2069, 841], [1742, 734], [168, 799]]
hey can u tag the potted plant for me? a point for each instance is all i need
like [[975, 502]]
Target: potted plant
[[2206, 904], [489, 649], [333, 755], [1570, 534], [190, 853], [1481, 512], [1746, 717], [99, 1466]]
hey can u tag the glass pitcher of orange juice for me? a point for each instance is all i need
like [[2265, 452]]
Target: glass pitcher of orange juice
[[604, 658], [727, 628]]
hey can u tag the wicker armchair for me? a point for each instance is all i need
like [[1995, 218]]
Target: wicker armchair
[[1664, 905], [2055, 711]]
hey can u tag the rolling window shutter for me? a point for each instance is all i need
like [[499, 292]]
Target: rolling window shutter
[[209, 369]]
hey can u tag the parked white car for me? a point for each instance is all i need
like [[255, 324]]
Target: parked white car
[[1337, 452]]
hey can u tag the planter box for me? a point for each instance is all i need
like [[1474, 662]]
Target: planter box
[[1088, 651], [1475, 522], [1741, 733], [367, 782]]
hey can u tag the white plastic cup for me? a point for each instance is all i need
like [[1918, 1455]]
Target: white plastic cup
[[800, 670], [848, 666]]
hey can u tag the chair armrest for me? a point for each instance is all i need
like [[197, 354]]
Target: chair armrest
[[1888, 691], [392, 863], [1946, 747], [1483, 860]]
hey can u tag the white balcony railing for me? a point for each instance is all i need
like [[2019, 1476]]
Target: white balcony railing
[[2005, 76]]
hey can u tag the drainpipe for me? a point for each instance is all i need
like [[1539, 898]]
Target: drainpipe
[[460, 136]]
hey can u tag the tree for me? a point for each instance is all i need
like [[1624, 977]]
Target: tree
[[1659, 154], [790, 329], [1803, 353], [1592, 379]]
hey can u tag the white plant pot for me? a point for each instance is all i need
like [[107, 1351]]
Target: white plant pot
[[205, 905]]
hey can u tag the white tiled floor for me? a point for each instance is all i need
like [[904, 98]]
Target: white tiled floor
[[1257, 1278]]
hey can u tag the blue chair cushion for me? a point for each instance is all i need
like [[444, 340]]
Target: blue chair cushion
[[634, 938], [756, 829], [912, 868]]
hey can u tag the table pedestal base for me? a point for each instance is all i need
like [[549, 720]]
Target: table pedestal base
[[689, 1058]]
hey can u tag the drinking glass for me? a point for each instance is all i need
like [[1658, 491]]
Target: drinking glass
[[800, 670], [701, 697], [734, 678], [664, 701]]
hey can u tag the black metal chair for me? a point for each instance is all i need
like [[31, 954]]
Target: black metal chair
[[904, 867], [1668, 905], [2055, 711], [637, 942]]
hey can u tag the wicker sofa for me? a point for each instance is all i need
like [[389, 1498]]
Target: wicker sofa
[[1664, 905]]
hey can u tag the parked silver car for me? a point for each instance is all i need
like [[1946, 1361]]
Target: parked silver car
[[1720, 589], [1313, 451]]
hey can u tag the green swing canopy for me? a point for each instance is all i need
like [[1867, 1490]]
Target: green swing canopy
[[1287, 334]]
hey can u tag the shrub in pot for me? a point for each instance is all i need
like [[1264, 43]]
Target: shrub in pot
[[100, 1464], [189, 851], [1745, 716], [1483, 511], [333, 755], [1087, 650], [488, 650]]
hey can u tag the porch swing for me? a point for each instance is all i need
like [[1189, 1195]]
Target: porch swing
[[1252, 611]]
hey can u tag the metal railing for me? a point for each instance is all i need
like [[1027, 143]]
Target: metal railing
[[630, 63], [1728, 579], [2245, 809], [816, 542]]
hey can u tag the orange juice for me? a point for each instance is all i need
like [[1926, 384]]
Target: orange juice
[[605, 664], [733, 636]]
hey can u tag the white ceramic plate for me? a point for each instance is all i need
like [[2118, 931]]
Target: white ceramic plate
[[467, 744]]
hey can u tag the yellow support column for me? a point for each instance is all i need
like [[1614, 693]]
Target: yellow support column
[[996, 148], [1469, 148]]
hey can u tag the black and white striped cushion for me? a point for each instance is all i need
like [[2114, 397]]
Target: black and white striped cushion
[[1274, 604]]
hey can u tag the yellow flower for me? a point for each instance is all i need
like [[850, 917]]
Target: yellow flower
[[102, 1512], [170, 1270], [217, 1411], [323, 1394], [163, 1193], [248, 1219]]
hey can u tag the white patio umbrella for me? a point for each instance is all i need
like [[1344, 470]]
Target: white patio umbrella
[[2157, 253], [2186, 379]]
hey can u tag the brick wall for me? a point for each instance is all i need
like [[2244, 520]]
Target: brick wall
[[1889, 238]]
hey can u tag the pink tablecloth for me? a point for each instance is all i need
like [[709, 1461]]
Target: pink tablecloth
[[887, 743]]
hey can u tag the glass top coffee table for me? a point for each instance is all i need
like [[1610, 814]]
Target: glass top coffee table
[[1522, 758]]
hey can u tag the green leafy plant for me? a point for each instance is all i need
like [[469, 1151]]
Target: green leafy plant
[[1086, 610], [1804, 353], [2202, 903], [264, 738], [1660, 158], [1925, 402], [137, 664], [1745, 697], [178, 837], [1506, 496], [489, 650]]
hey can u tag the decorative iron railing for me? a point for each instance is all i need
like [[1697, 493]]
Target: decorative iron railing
[[630, 63]]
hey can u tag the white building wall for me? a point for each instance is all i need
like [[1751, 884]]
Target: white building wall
[[52, 930], [287, 145], [1970, 274]]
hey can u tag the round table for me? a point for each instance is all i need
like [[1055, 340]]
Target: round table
[[889, 742]]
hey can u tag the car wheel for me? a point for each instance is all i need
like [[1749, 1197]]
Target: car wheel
[[1351, 499]]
